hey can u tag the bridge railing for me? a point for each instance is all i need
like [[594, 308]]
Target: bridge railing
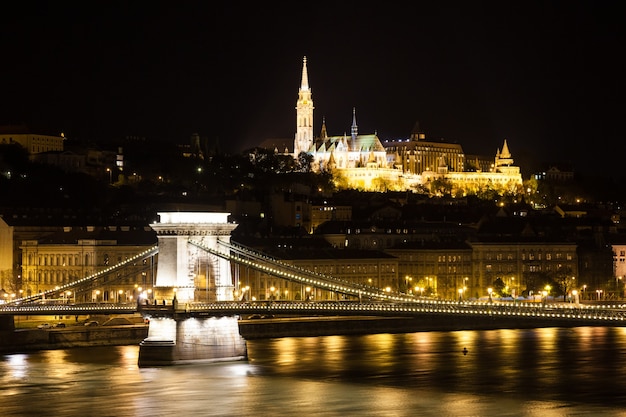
[[615, 315], [587, 313]]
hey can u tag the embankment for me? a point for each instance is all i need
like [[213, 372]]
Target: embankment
[[28, 340], [326, 326]]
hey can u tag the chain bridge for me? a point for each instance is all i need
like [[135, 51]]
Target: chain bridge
[[185, 326]]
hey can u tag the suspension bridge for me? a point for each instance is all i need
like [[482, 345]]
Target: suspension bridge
[[186, 329]]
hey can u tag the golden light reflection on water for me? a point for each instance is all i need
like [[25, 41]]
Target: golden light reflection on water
[[17, 365], [542, 372]]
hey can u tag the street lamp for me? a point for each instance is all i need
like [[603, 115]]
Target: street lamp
[[490, 291], [110, 175]]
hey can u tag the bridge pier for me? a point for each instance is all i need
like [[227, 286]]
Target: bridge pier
[[176, 341]]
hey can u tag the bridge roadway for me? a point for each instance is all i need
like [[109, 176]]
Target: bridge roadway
[[559, 313]]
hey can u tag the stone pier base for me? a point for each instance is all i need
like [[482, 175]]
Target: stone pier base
[[179, 341], [7, 323]]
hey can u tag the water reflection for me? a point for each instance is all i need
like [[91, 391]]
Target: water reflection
[[546, 372], [551, 363]]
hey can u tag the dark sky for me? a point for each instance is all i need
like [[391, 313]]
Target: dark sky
[[547, 76]]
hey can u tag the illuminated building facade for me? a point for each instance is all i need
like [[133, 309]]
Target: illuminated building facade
[[363, 162], [32, 142], [78, 252]]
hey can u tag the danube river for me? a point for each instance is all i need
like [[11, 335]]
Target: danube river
[[537, 372]]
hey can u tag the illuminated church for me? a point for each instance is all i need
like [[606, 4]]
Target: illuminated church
[[364, 162], [360, 160]]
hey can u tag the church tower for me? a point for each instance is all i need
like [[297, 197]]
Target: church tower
[[304, 115]]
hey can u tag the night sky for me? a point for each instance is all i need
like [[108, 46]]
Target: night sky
[[547, 76]]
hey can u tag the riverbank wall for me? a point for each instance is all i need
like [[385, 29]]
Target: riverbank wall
[[251, 329], [29, 340]]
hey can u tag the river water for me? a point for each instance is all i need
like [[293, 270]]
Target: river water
[[532, 372]]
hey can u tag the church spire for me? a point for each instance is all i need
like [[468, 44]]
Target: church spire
[[304, 85], [324, 134], [354, 130]]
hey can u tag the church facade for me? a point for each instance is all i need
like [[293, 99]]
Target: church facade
[[364, 162]]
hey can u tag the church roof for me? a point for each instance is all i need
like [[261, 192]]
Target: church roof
[[363, 143]]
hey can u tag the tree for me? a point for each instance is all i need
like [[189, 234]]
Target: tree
[[500, 287], [305, 162], [562, 279], [441, 187]]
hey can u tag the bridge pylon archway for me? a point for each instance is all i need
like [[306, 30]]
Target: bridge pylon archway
[[176, 271]]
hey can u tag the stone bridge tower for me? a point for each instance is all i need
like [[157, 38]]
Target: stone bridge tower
[[177, 257]]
